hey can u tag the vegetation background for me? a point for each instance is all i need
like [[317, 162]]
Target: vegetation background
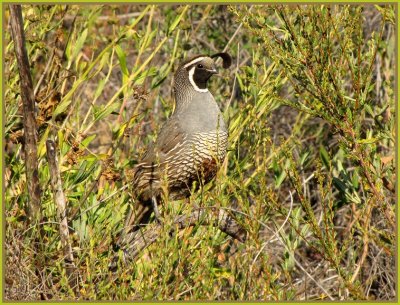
[[310, 172]]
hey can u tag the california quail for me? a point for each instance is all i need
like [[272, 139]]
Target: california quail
[[189, 146]]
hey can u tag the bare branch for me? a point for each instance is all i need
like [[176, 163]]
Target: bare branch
[[137, 241], [59, 199], [28, 101]]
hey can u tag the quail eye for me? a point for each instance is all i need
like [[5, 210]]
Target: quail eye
[[200, 66]]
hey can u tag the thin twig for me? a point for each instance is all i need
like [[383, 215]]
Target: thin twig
[[46, 70], [277, 232], [312, 278], [236, 32], [234, 80]]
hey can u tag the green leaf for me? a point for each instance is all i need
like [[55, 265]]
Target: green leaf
[[349, 114], [147, 73], [339, 184], [149, 39], [79, 44], [81, 174], [355, 179], [101, 112], [87, 140], [325, 157], [100, 88], [368, 109], [61, 107], [367, 141], [280, 179], [177, 20], [122, 59], [303, 157]]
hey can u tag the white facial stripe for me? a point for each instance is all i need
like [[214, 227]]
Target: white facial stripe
[[194, 61], [191, 72]]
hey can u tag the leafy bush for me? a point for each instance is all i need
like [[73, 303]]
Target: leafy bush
[[310, 170]]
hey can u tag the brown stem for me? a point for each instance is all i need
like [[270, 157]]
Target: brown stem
[[59, 199], [28, 102]]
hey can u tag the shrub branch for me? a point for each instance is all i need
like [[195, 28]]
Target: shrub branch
[[140, 240]]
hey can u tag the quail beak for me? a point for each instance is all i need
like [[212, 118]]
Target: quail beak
[[213, 71]]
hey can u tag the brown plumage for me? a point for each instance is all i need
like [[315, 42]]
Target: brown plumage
[[190, 146]]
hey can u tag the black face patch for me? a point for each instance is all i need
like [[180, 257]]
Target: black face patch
[[200, 76]]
